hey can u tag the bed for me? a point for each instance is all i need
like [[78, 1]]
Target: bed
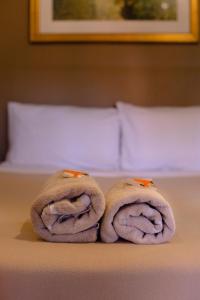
[[31, 268]]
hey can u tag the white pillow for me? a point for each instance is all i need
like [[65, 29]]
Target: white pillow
[[63, 136], [160, 138]]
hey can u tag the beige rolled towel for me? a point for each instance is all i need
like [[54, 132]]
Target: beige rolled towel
[[69, 208], [137, 212]]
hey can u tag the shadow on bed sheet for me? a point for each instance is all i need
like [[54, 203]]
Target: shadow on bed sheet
[[27, 233]]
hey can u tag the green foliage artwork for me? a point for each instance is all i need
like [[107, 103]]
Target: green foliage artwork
[[114, 9], [149, 10]]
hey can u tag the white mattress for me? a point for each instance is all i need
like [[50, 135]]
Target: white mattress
[[33, 269], [32, 169]]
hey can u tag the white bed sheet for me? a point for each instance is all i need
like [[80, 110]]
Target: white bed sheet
[[32, 269], [32, 169]]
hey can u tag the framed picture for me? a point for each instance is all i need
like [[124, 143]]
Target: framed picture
[[114, 20]]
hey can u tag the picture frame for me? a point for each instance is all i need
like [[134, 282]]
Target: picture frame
[[57, 21]]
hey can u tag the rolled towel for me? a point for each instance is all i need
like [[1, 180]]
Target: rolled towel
[[137, 212], [69, 208]]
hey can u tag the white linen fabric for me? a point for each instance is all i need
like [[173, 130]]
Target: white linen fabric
[[7, 167], [160, 138], [33, 269], [63, 136]]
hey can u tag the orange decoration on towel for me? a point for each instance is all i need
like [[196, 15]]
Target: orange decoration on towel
[[144, 182], [73, 174]]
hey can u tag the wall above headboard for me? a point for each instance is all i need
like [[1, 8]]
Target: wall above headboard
[[90, 74]]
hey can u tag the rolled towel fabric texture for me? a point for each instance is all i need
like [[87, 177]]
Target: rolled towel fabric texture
[[69, 208], [137, 212]]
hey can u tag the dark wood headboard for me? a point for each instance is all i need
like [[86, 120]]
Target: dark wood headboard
[[90, 74], [3, 130]]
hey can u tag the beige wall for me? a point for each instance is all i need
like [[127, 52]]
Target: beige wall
[[91, 74]]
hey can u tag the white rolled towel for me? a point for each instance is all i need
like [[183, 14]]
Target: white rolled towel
[[137, 212], [69, 208]]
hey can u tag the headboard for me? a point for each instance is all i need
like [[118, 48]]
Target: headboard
[[90, 74], [3, 130]]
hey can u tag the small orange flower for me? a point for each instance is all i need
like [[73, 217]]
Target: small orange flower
[[144, 182], [73, 174]]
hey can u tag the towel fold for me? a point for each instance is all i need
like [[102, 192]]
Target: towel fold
[[69, 208], [137, 212]]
